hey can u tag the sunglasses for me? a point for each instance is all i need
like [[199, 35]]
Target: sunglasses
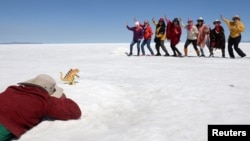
[[216, 22], [235, 19]]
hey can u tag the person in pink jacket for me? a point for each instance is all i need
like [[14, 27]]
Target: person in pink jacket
[[25, 105], [202, 35]]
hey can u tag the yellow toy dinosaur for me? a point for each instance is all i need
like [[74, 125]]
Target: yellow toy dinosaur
[[70, 76]]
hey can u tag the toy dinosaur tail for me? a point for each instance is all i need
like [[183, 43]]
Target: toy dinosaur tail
[[61, 76]]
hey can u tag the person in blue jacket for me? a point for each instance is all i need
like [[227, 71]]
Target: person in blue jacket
[[137, 37]]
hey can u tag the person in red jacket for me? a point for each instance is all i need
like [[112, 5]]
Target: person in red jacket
[[25, 105], [147, 34], [174, 34]]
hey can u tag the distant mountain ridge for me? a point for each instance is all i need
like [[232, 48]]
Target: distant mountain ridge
[[22, 43]]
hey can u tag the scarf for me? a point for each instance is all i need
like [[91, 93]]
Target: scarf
[[217, 28], [189, 27]]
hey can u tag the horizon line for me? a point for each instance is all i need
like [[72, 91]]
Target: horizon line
[[2, 43]]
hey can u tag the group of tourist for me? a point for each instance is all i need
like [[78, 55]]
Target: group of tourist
[[199, 35]]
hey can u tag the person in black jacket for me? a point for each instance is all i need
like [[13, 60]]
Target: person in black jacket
[[217, 38], [160, 36]]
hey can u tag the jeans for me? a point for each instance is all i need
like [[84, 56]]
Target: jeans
[[146, 41], [138, 47]]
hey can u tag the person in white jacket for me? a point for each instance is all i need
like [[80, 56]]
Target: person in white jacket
[[192, 33]]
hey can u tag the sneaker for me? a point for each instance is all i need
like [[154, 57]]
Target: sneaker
[[166, 54]]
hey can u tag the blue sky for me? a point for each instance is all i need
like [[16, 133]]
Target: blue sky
[[103, 21]]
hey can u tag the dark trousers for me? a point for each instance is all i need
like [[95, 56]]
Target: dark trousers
[[160, 43], [175, 50], [194, 42], [221, 45], [234, 42]]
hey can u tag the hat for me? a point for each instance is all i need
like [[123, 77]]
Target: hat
[[47, 83], [161, 20], [137, 23], [236, 17], [146, 21], [216, 21], [189, 20], [200, 19], [175, 20]]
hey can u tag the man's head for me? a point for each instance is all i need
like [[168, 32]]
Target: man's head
[[146, 22], [161, 21], [46, 82], [200, 20], [137, 24], [217, 22], [190, 21], [236, 18]]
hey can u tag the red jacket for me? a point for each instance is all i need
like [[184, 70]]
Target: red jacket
[[147, 32], [23, 107], [173, 33]]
